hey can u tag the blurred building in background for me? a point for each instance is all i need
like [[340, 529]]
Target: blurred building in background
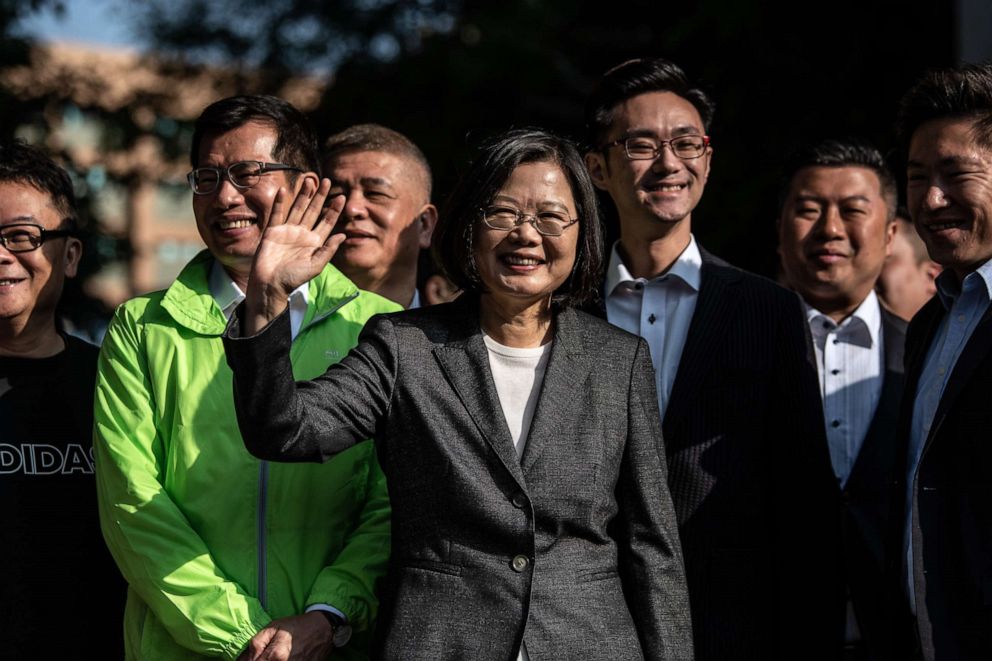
[[121, 123]]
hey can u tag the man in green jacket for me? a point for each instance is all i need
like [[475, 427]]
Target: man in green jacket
[[227, 556]]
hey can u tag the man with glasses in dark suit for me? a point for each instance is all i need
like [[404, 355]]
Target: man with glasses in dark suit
[[735, 379]]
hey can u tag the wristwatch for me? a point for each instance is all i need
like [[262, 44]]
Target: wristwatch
[[341, 630]]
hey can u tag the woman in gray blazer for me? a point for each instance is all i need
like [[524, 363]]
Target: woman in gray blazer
[[520, 437]]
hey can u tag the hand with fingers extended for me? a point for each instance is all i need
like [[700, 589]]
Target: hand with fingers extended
[[296, 245]]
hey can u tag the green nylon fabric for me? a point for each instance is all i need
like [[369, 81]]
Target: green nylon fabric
[[181, 499]]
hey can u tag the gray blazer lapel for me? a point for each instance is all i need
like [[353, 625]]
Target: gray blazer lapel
[[710, 320], [465, 361], [556, 403]]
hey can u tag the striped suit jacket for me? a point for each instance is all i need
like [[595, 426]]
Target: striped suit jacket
[[750, 475]]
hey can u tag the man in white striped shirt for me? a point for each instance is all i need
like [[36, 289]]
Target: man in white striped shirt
[[835, 227]]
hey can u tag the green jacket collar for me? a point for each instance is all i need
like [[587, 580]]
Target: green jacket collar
[[189, 303]]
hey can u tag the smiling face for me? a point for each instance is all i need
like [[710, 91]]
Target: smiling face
[[231, 220], [386, 217], [834, 235], [31, 282], [523, 265], [650, 194], [949, 193]]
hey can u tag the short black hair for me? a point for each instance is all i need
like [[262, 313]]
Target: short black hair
[[832, 153], [959, 92], [454, 244], [296, 143], [375, 137], [25, 164], [635, 77]]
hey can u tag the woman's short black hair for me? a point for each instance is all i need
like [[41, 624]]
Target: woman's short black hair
[[454, 239]]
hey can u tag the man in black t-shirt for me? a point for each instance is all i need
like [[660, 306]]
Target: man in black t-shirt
[[60, 594]]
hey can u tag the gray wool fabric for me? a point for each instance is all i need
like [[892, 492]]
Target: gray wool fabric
[[573, 547]]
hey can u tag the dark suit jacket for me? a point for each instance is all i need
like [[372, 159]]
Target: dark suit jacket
[[573, 547], [865, 499], [750, 475], [952, 519]]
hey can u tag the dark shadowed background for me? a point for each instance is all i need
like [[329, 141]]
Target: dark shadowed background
[[449, 73]]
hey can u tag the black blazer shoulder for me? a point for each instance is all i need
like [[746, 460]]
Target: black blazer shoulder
[[716, 276], [756, 285], [894, 336], [920, 332]]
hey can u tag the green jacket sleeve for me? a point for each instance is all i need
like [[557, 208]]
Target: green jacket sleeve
[[162, 557], [349, 584]]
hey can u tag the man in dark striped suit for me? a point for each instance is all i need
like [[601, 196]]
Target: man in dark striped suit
[[748, 465]]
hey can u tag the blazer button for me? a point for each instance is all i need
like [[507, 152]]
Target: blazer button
[[519, 500], [520, 563]]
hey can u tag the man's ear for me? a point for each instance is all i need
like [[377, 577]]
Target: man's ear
[[890, 235], [427, 221], [73, 253], [599, 170], [438, 289], [933, 269], [298, 185], [709, 162]]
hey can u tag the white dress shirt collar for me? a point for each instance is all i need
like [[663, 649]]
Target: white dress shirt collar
[[861, 327], [229, 296], [687, 268], [849, 359], [659, 309], [948, 288]]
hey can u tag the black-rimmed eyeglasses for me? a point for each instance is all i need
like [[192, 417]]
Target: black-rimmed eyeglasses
[[243, 175], [25, 237], [646, 147], [548, 223]]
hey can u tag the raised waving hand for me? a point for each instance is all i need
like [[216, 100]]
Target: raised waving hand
[[296, 246]]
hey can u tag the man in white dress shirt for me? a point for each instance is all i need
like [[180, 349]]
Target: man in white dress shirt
[[836, 226]]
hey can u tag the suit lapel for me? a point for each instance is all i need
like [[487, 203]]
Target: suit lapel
[[871, 458], [465, 362], [920, 335], [710, 320], [566, 371], [974, 352], [923, 330]]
